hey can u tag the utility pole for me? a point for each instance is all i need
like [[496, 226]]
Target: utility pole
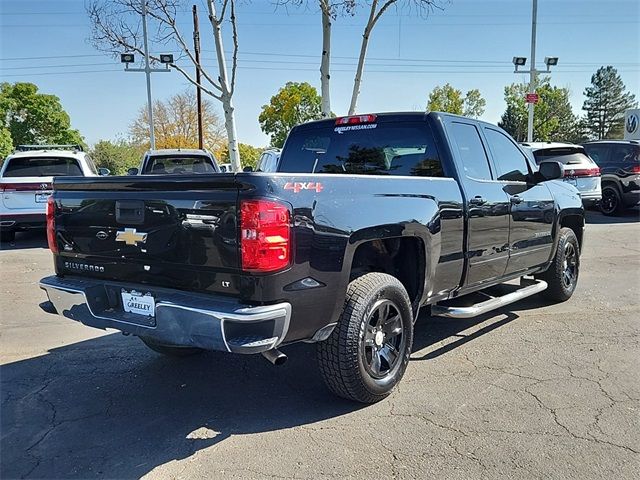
[[196, 49], [532, 97], [129, 58], [532, 69]]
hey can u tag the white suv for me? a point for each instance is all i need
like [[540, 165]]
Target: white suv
[[26, 180], [579, 169]]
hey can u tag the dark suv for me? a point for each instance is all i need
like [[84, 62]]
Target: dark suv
[[619, 162]]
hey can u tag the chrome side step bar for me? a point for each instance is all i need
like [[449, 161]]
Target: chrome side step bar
[[488, 305]]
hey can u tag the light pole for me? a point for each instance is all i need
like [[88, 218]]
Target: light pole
[[532, 96], [129, 58]]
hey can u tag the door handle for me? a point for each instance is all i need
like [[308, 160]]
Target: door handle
[[515, 199], [477, 200]]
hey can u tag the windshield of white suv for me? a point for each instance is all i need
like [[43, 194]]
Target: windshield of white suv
[[177, 165], [42, 167]]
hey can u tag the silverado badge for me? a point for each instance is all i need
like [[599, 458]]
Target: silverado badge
[[130, 237]]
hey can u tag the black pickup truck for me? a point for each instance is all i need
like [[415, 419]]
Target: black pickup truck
[[368, 219]]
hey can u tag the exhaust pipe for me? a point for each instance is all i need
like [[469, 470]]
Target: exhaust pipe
[[275, 356]]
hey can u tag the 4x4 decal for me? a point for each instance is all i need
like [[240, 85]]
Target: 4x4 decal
[[297, 187]]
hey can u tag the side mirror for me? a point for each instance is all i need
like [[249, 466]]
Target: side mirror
[[248, 168], [132, 171], [103, 172], [551, 170]]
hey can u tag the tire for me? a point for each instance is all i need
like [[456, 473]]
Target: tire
[[171, 350], [367, 353], [7, 236], [611, 203], [562, 275]]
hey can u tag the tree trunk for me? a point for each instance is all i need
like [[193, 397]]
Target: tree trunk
[[325, 63], [363, 54], [226, 95]]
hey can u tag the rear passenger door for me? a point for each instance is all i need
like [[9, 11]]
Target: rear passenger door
[[531, 205], [487, 205]]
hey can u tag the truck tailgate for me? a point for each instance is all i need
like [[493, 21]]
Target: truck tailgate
[[177, 231]]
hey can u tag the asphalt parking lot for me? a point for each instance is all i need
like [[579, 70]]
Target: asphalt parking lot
[[532, 391]]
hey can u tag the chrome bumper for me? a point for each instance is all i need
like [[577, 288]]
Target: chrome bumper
[[181, 318]]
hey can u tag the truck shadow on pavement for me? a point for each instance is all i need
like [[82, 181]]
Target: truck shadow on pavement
[[630, 215], [26, 240], [108, 407]]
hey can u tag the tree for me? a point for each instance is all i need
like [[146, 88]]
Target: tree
[[329, 10], [115, 27], [6, 144], [445, 99], [176, 123], [377, 8], [474, 104], [118, 156], [34, 118], [605, 104], [293, 104], [449, 99], [553, 120], [248, 153]]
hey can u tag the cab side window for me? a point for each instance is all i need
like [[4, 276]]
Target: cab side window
[[474, 158], [509, 160]]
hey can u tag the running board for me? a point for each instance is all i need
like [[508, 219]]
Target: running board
[[488, 305]]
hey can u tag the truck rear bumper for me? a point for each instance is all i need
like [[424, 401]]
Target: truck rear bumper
[[181, 318]]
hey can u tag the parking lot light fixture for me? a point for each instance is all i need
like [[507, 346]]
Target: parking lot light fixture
[[550, 62], [519, 62]]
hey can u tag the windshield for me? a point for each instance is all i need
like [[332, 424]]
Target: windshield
[[567, 156], [371, 149], [182, 164], [42, 167]]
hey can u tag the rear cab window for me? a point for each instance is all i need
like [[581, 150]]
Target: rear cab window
[[471, 151], [179, 165], [384, 148], [42, 167]]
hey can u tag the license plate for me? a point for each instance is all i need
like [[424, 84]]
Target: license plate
[[572, 181], [136, 302], [42, 197]]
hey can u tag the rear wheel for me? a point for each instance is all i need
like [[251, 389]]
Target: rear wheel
[[7, 236], [367, 353], [562, 275], [171, 350], [611, 202]]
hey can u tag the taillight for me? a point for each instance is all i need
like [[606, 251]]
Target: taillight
[[582, 172], [356, 119], [635, 169], [51, 225], [265, 235]]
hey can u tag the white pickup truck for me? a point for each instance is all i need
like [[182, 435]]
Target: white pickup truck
[[25, 183]]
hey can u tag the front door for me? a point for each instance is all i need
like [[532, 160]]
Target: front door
[[531, 206]]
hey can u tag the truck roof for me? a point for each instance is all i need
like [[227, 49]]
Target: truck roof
[[46, 153], [397, 116], [176, 151]]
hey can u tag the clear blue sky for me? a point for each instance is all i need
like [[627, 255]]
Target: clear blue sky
[[469, 44]]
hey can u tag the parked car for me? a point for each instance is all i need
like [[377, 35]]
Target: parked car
[[178, 161], [25, 183], [368, 219], [226, 168], [579, 170], [268, 161], [619, 162]]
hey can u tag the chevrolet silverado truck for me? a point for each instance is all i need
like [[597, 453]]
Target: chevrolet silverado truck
[[368, 219]]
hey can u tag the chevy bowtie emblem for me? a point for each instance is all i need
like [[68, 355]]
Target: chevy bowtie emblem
[[130, 237]]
